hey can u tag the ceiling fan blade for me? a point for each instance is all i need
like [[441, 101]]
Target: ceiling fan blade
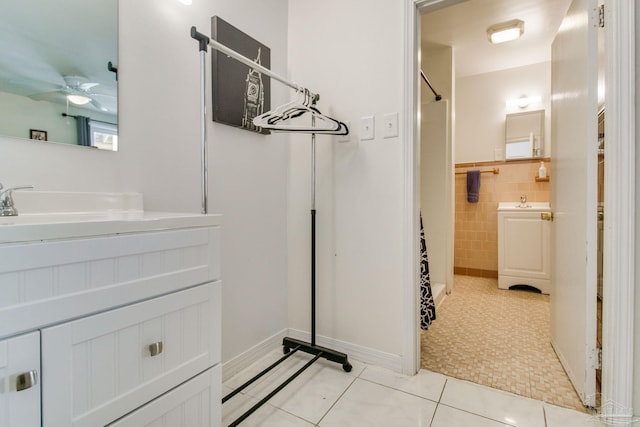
[[47, 96], [97, 105], [88, 86]]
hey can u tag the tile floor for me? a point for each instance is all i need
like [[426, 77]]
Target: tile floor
[[324, 395], [498, 338]]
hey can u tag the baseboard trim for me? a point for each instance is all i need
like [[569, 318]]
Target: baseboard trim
[[245, 359], [357, 352], [475, 272], [354, 351]]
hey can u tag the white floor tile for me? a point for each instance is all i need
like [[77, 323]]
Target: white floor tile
[[262, 363], [497, 405], [451, 417], [265, 416], [372, 405], [311, 394], [562, 417], [425, 384]]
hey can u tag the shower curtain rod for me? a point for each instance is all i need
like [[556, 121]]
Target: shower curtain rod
[[206, 41], [426, 80]]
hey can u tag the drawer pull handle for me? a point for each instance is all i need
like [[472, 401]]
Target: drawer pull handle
[[27, 380], [155, 348]]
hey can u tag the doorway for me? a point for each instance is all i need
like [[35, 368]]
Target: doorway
[[619, 256], [481, 152]]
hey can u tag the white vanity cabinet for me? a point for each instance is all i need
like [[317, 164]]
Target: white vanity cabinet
[[98, 368], [19, 381], [117, 322], [524, 246]]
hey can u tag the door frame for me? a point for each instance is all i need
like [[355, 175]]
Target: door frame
[[619, 232]]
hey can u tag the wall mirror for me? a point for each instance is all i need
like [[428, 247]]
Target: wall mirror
[[524, 135], [55, 82]]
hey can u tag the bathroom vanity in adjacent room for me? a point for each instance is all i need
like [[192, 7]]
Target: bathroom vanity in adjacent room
[[524, 245], [109, 318]]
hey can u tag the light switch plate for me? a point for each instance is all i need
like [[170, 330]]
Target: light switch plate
[[367, 128], [391, 125]]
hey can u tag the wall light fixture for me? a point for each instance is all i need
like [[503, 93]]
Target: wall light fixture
[[524, 101]]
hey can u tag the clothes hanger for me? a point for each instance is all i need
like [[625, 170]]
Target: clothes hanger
[[280, 118]]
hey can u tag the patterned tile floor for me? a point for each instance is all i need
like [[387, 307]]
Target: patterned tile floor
[[498, 338]]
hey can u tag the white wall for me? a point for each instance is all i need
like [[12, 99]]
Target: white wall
[[159, 83], [159, 139], [436, 183], [351, 53], [481, 108], [20, 114]]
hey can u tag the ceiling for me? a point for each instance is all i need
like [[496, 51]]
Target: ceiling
[[463, 26], [41, 42]]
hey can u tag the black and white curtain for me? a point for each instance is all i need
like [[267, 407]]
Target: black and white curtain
[[427, 305]]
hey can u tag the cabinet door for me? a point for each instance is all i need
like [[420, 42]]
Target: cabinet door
[[525, 242], [19, 382], [197, 403], [99, 368]]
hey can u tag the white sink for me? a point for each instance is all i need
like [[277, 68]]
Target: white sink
[[42, 216], [529, 206], [41, 202]]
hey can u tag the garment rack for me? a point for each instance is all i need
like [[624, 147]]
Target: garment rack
[[290, 345], [494, 171]]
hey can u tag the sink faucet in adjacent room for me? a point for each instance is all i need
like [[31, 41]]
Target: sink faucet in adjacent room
[[523, 201], [7, 207]]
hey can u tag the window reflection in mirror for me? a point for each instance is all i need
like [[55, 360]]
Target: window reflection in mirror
[[524, 135], [53, 69]]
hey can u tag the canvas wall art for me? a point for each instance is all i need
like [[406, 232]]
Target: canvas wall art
[[239, 93]]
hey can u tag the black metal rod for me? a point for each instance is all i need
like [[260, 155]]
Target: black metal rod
[[274, 392], [260, 375], [113, 69], [99, 121], [313, 277], [203, 41], [426, 80]]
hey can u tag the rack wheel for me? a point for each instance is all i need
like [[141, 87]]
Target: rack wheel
[[347, 367], [286, 350]]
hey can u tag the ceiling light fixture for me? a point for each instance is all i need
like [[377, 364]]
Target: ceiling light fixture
[[505, 31], [78, 99]]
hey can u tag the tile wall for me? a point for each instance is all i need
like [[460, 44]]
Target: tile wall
[[476, 224]]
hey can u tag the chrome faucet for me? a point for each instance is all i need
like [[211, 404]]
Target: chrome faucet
[[7, 207], [523, 202]]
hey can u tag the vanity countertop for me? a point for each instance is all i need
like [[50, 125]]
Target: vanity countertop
[[530, 206], [69, 225]]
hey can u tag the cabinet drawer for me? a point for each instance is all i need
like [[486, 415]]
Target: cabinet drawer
[[19, 382], [96, 369], [51, 282], [193, 404]]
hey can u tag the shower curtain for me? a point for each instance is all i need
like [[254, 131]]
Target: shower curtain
[[427, 305]]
